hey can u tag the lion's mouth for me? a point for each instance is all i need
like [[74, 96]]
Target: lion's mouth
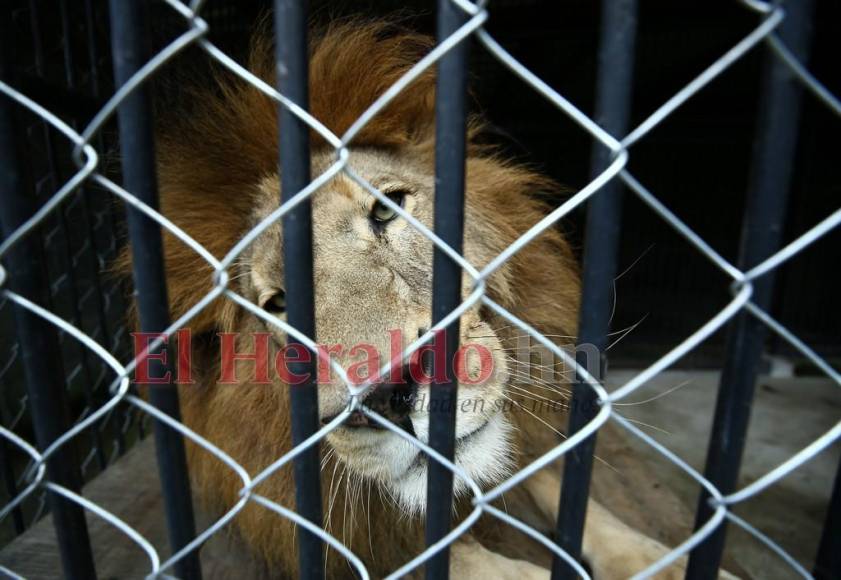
[[358, 419], [472, 433], [391, 401], [421, 458], [483, 454]]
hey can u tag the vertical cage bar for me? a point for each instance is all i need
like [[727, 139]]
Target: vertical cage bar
[[109, 223], [6, 465], [762, 228], [828, 560], [39, 340], [129, 33], [71, 70], [10, 484], [82, 355], [450, 150], [604, 214], [292, 80]]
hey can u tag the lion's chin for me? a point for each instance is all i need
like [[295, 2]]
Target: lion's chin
[[485, 456]]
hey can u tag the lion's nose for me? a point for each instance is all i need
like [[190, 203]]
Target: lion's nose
[[395, 402], [392, 401]]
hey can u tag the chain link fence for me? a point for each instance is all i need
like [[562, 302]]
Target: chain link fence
[[79, 241], [780, 31]]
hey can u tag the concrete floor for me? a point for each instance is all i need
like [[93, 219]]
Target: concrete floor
[[788, 414]]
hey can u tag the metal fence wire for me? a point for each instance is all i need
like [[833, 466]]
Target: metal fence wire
[[782, 31], [79, 240]]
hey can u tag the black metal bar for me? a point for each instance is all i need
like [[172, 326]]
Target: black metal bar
[[71, 76], [828, 560], [51, 143], [6, 465], [767, 199], [604, 213], [129, 33], [83, 355], [292, 80], [11, 486], [450, 151], [109, 218], [39, 341]]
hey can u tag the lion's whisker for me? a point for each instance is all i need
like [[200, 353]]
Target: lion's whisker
[[537, 382], [655, 397], [368, 513], [534, 396], [536, 417], [331, 499], [564, 376], [627, 332], [527, 361], [599, 459], [643, 424], [563, 395], [327, 457]]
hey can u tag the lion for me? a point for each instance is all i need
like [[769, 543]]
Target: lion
[[218, 177]]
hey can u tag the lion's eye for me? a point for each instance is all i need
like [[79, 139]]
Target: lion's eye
[[276, 304], [381, 213]]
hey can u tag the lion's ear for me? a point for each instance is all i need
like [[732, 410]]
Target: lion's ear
[[352, 63]]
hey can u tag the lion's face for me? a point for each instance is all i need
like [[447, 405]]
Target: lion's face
[[373, 295], [217, 169]]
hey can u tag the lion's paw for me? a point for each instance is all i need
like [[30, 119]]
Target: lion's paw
[[626, 559]]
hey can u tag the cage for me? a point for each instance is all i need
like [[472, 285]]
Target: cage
[[695, 147]]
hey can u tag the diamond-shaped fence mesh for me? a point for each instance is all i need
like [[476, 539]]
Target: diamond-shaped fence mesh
[[86, 307]]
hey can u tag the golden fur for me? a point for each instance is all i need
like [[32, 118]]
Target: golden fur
[[216, 165]]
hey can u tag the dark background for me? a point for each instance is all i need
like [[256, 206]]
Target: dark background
[[697, 161]]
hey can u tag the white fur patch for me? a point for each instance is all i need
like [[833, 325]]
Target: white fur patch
[[486, 456]]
